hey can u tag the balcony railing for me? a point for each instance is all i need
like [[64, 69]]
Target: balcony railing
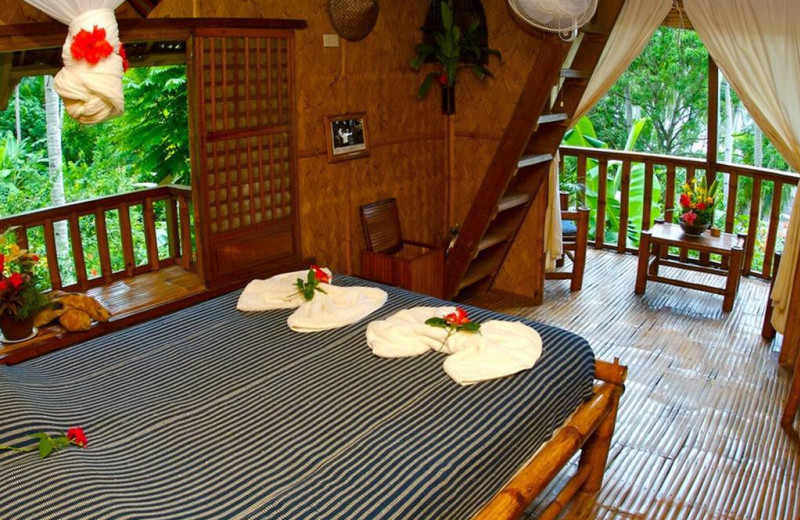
[[95, 242], [672, 172]]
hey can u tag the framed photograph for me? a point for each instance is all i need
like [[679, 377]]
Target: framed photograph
[[347, 136]]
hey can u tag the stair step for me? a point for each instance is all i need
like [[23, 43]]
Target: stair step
[[513, 200], [530, 160], [552, 118], [478, 271], [494, 237], [575, 74]]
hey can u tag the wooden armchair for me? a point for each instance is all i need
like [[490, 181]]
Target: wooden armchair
[[390, 259], [575, 233]]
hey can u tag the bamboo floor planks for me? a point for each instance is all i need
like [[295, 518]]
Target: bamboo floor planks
[[698, 434]]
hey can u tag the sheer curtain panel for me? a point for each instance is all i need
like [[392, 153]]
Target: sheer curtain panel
[[756, 44]]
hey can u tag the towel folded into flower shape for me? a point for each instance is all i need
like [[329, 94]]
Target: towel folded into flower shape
[[498, 349], [330, 307]]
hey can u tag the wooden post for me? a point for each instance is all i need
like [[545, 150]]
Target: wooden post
[[581, 239], [732, 281], [644, 257], [767, 330]]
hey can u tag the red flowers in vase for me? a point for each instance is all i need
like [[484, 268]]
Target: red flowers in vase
[[697, 202], [19, 296]]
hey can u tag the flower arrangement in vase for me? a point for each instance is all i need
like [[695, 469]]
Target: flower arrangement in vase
[[698, 202], [20, 297]]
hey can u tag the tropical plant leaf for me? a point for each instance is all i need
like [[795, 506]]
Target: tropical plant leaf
[[426, 85], [447, 16]]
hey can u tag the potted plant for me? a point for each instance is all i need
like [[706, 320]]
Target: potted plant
[[20, 297], [451, 45], [697, 203]]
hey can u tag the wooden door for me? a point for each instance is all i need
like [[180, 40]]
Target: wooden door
[[246, 170]]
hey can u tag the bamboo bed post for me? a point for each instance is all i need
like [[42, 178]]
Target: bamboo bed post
[[591, 426]]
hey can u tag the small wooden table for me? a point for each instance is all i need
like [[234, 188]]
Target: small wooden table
[[656, 242]]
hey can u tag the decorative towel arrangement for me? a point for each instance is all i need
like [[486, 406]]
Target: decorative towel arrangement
[[498, 349], [330, 308], [94, 59]]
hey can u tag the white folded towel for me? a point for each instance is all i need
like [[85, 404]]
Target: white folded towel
[[278, 292], [337, 307], [500, 349]]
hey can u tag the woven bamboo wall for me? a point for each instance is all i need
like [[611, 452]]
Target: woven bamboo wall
[[483, 111]]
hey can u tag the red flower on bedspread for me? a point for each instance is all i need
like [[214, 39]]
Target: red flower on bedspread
[[90, 46], [47, 444], [77, 436]]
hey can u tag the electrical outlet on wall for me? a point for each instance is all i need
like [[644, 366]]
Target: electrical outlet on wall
[[330, 40]]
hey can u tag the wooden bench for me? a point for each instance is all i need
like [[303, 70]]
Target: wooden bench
[[162, 278]]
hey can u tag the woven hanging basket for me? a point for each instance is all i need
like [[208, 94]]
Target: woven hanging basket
[[353, 19]]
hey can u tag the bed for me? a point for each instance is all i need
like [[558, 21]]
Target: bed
[[213, 413]]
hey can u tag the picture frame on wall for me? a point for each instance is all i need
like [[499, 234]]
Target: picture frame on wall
[[347, 136]]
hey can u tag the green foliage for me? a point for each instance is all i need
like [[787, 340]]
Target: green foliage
[[452, 45], [667, 84], [583, 135]]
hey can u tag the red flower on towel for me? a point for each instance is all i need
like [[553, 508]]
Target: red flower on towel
[[77, 436], [454, 322], [91, 46], [47, 445], [457, 318], [124, 56], [310, 286], [320, 275]]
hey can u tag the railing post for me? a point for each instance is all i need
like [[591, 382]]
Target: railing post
[[102, 244], [77, 252], [127, 238], [150, 234], [624, 206], [752, 227], [173, 232], [602, 194], [52, 254]]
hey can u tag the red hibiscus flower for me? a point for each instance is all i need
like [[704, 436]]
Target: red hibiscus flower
[[16, 280], [457, 318], [77, 436], [689, 217], [443, 81], [124, 56], [701, 206], [3, 285], [90, 46], [320, 275], [685, 200]]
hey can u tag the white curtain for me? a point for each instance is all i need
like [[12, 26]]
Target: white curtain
[[92, 92], [756, 44], [637, 22]]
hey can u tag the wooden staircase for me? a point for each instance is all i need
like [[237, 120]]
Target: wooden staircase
[[519, 170]]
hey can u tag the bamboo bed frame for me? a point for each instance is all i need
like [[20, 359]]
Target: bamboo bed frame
[[590, 430]]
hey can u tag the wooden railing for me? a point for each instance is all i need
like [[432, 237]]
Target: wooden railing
[[95, 236], [677, 170]]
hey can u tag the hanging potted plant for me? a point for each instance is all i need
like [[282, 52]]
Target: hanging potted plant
[[451, 46], [20, 298]]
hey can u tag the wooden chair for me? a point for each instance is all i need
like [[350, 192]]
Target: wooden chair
[[392, 260], [575, 234]]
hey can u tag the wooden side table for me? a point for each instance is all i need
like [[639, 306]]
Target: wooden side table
[[655, 244]]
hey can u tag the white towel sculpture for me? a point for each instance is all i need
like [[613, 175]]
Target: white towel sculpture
[[91, 81], [337, 307], [501, 348]]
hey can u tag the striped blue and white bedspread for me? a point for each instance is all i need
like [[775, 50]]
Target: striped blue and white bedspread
[[214, 413]]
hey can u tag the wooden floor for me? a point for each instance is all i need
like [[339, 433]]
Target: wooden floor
[[698, 432]]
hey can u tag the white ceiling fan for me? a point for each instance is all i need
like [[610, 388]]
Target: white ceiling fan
[[564, 17]]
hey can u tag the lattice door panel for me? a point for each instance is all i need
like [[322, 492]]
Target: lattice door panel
[[247, 83], [249, 181], [246, 158]]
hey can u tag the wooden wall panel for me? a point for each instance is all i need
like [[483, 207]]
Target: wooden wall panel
[[406, 135]]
